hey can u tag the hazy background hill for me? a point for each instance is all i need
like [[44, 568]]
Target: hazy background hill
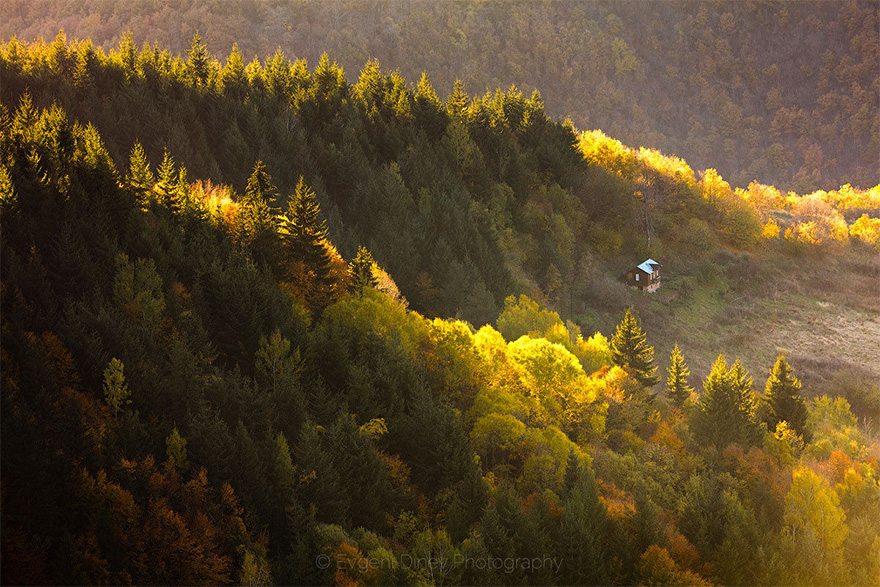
[[786, 93]]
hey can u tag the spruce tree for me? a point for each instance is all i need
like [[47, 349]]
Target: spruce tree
[[362, 270], [258, 225], [259, 189], [198, 64], [677, 382], [572, 474], [167, 180], [784, 400], [305, 234], [116, 392], [726, 408], [630, 351], [140, 177], [457, 102], [232, 77], [175, 450]]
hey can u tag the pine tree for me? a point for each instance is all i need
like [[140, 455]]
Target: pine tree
[[362, 270], [630, 351], [784, 400], [116, 392], [677, 383], [726, 409]]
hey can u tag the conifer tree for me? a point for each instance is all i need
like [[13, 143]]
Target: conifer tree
[[116, 392], [128, 55], [232, 77], [259, 190], [139, 177], [630, 351], [572, 474], [305, 234], [677, 382], [362, 270], [175, 450], [784, 400], [583, 526], [457, 102], [198, 64], [726, 408], [258, 225], [166, 181]]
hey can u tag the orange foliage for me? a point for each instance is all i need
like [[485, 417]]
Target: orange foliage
[[352, 568], [620, 504], [300, 282], [656, 567], [681, 549], [834, 469], [171, 531], [665, 436]]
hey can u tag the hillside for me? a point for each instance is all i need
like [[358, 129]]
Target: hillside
[[262, 325], [785, 93]]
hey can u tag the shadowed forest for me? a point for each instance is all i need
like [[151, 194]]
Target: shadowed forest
[[268, 321]]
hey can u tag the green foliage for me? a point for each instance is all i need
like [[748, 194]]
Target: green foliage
[[175, 451], [304, 238], [116, 392], [784, 400], [677, 387], [137, 289], [364, 431], [726, 410], [630, 351], [362, 269], [140, 176], [523, 316], [198, 64]]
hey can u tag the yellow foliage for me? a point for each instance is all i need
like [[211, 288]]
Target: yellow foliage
[[812, 506], [611, 154], [867, 230], [784, 445], [770, 230], [374, 429], [216, 200]]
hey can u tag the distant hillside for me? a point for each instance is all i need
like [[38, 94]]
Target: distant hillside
[[785, 93]]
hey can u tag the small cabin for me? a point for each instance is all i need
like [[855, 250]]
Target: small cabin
[[645, 276]]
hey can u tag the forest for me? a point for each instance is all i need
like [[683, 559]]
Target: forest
[[785, 93], [262, 324]]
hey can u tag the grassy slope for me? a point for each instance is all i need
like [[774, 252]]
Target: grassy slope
[[823, 312]]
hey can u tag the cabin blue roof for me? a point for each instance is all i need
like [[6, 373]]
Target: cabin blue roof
[[649, 266]]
